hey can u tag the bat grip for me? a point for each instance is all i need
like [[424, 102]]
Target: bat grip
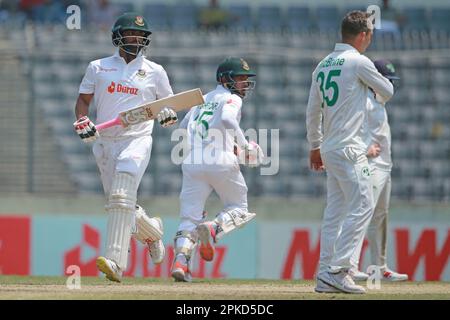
[[108, 124]]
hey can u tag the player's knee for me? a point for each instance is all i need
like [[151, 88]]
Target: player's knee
[[130, 166], [191, 218], [187, 224], [123, 193]]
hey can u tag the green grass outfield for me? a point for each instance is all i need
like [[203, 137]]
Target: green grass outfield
[[25, 287]]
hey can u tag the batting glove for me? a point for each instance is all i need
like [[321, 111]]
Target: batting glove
[[85, 128], [252, 155], [167, 117]]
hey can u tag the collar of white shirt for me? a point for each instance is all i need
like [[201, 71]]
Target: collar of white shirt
[[222, 88], [117, 55], [344, 47]]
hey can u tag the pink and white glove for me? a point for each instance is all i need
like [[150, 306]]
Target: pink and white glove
[[252, 155], [85, 128]]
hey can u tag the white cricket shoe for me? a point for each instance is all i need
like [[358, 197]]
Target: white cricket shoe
[[389, 275], [358, 275], [322, 287], [180, 269], [207, 237], [342, 281], [109, 268], [156, 248], [157, 251]]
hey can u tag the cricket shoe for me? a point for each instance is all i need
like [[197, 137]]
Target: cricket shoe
[[322, 287], [389, 275], [358, 275], [156, 248], [109, 268], [180, 269], [157, 251], [342, 281], [207, 236]]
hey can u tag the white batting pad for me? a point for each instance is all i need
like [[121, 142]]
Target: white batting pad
[[185, 242], [231, 219], [148, 229], [121, 207]]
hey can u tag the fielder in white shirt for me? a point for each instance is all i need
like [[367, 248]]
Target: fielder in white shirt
[[114, 84], [380, 161], [334, 118], [211, 164]]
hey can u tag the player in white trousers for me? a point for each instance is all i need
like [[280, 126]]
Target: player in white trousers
[[114, 84], [334, 118], [211, 164], [380, 161]]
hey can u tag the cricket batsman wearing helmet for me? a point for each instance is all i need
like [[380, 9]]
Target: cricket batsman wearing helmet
[[212, 164], [114, 84]]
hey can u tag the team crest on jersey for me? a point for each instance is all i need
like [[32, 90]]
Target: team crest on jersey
[[365, 172], [139, 21], [141, 73], [245, 65]]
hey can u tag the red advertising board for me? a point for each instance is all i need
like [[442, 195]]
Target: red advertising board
[[15, 250]]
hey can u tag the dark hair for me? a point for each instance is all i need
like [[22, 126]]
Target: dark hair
[[354, 23]]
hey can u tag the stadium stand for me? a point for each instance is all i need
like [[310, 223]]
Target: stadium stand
[[241, 17], [298, 19], [283, 44], [158, 14], [269, 19]]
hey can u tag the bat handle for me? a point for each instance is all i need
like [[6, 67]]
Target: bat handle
[[108, 124]]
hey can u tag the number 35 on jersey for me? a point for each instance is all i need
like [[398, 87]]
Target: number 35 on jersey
[[328, 87]]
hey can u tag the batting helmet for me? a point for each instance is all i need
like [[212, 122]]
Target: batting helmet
[[131, 21], [386, 68], [229, 69]]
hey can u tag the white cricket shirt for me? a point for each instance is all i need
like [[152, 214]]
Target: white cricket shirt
[[378, 131], [338, 98], [118, 86], [210, 142]]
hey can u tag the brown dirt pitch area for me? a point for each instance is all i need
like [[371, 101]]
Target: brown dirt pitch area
[[97, 288]]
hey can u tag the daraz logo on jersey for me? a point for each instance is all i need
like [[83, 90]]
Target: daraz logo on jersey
[[121, 89]]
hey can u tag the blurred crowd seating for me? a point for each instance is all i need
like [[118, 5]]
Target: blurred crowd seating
[[283, 45], [419, 114], [187, 15]]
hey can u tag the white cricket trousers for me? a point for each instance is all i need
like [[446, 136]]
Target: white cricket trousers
[[130, 155], [377, 229], [349, 207], [198, 183]]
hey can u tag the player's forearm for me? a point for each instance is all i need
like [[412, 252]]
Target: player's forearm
[[314, 134], [82, 106], [384, 92], [81, 110], [382, 99], [373, 79], [230, 123], [314, 120]]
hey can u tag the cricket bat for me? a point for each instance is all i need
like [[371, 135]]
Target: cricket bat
[[149, 111]]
